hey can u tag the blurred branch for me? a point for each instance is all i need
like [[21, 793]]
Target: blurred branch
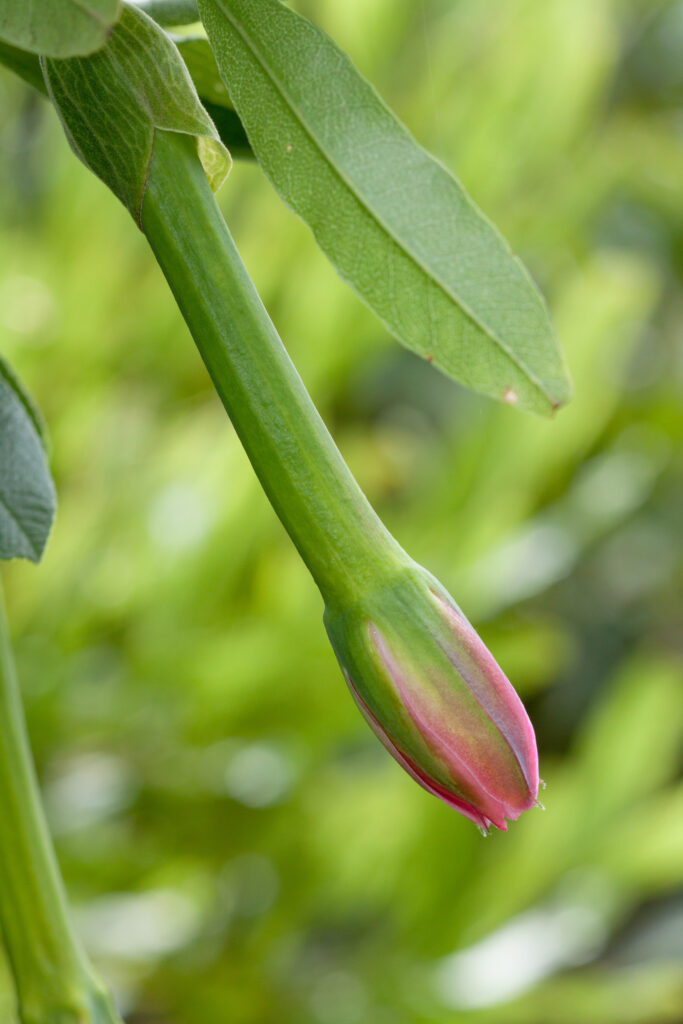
[[54, 981]]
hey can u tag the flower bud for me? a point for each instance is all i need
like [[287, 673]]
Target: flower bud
[[436, 698]]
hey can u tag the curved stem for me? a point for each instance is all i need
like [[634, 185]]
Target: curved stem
[[339, 536], [54, 982]]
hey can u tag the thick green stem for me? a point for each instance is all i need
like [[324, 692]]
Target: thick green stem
[[340, 538], [54, 982]]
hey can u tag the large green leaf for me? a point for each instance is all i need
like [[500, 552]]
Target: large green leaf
[[394, 222], [58, 28], [118, 98], [27, 494]]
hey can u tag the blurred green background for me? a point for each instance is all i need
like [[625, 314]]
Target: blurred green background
[[237, 845]]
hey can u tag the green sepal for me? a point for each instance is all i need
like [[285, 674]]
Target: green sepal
[[113, 103]]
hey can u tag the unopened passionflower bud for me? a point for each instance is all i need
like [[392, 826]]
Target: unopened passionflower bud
[[436, 698]]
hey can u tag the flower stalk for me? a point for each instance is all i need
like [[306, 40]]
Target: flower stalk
[[54, 982], [421, 676]]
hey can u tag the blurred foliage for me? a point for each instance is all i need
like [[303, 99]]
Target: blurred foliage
[[237, 845]]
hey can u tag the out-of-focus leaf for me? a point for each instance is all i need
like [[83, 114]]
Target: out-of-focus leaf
[[394, 222], [645, 845], [632, 721], [599, 994], [27, 494], [115, 101], [58, 28]]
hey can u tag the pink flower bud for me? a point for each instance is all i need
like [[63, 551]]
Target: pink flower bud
[[436, 698]]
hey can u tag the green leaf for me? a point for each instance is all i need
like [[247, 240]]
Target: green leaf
[[113, 102], [27, 494], [58, 28], [398, 227]]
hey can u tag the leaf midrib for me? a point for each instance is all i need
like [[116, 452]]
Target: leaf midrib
[[530, 375]]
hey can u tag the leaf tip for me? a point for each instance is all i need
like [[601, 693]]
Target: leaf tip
[[562, 393]]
